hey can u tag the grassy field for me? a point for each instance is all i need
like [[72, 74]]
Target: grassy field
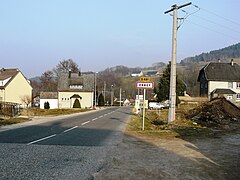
[[156, 124]]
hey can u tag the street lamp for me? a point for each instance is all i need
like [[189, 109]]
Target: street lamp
[[95, 89], [111, 95]]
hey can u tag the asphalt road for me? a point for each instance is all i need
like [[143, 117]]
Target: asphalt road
[[70, 148]]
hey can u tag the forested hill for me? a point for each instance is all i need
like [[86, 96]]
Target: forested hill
[[224, 53]]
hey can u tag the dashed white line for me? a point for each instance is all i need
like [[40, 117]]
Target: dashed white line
[[85, 123], [70, 129], [100, 116], [94, 119], [33, 142]]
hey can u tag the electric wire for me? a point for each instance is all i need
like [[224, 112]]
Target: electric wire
[[221, 17]]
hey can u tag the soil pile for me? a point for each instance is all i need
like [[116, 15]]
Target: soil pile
[[217, 113]]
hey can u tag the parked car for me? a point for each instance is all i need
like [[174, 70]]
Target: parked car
[[155, 105]]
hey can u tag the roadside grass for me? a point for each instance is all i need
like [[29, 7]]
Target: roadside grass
[[50, 112], [156, 124], [4, 120], [7, 121]]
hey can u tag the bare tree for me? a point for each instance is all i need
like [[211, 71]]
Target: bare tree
[[26, 99], [66, 66], [48, 81]]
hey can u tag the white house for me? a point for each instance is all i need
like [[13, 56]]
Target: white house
[[220, 80]]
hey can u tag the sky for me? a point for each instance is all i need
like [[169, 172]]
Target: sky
[[36, 35]]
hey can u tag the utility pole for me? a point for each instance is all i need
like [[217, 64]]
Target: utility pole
[[172, 95]]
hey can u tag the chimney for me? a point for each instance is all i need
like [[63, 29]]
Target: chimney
[[231, 62], [69, 73]]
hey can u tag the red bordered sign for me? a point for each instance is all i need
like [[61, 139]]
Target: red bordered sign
[[145, 85]]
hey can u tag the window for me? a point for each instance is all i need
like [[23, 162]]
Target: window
[[229, 97], [238, 84], [230, 85], [238, 96]]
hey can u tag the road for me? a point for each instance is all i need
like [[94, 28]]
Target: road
[[71, 148]]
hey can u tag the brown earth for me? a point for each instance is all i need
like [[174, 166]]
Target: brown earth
[[140, 156]]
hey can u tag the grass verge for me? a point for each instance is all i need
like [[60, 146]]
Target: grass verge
[[8, 121], [156, 125]]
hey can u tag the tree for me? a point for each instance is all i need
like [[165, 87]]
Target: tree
[[26, 99], [76, 104], [101, 100], [66, 66], [164, 85], [48, 81], [46, 105]]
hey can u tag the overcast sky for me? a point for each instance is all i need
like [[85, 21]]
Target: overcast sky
[[96, 34]]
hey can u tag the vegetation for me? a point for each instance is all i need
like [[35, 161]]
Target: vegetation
[[46, 105], [101, 100], [164, 85], [156, 125], [76, 104], [8, 121], [224, 53]]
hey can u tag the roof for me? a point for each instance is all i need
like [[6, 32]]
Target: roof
[[6, 76], [150, 73], [223, 91], [221, 72], [137, 72], [48, 95], [85, 81]]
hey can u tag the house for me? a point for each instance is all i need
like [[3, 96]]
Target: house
[[152, 73], [220, 80], [137, 74], [49, 97], [76, 88], [15, 87]]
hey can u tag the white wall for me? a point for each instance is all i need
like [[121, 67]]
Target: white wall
[[52, 102], [65, 101]]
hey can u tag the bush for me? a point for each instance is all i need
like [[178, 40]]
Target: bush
[[46, 105], [76, 104]]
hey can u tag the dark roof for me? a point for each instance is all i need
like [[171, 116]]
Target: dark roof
[[223, 91], [136, 72], [221, 72], [6, 74], [85, 81], [75, 96], [48, 95], [150, 73]]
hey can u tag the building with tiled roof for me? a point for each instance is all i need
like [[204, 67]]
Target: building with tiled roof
[[14, 87], [220, 79]]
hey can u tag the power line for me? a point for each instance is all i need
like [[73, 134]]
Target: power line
[[205, 27], [223, 26], [215, 14]]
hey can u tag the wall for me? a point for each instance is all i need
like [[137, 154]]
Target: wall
[[18, 88], [53, 103], [65, 101]]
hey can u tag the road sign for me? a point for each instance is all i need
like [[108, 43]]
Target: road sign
[[145, 85], [145, 79]]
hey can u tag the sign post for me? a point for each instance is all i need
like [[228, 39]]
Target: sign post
[[144, 84]]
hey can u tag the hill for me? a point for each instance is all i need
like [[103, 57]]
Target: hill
[[229, 52]]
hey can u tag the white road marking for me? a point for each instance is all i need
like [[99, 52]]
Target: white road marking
[[94, 119], [105, 114], [70, 129], [33, 142], [85, 123], [100, 116]]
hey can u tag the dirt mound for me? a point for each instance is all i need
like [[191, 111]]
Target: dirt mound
[[217, 113]]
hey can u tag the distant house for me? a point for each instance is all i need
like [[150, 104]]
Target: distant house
[[137, 74], [49, 97], [152, 73], [220, 80], [14, 87], [75, 88]]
